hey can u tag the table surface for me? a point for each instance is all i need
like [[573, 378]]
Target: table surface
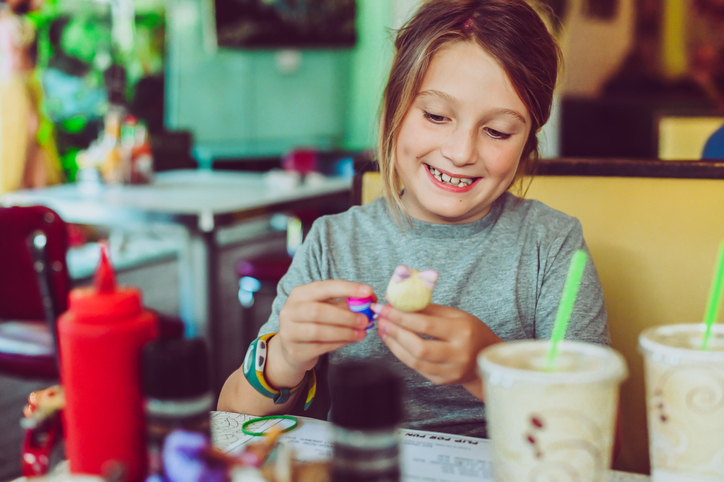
[[421, 453], [185, 196]]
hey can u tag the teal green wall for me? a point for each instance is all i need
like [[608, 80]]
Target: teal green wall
[[239, 104], [369, 69]]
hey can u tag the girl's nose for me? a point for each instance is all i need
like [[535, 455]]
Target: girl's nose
[[460, 147]]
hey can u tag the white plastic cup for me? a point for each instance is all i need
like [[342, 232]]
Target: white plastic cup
[[551, 425], [684, 402]]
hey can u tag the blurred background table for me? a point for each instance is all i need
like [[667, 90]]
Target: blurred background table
[[200, 202]]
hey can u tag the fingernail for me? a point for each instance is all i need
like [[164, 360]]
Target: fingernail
[[364, 291], [381, 328], [363, 321], [376, 307]]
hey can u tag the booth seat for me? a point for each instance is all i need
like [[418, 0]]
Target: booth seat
[[653, 229]]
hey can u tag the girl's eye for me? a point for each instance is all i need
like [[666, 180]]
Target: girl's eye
[[435, 119], [496, 134]]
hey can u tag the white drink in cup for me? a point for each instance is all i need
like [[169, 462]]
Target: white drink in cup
[[553, 424], [685, 402]]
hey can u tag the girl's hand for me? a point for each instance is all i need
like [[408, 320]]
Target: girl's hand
[[450, 357], [316, 320]]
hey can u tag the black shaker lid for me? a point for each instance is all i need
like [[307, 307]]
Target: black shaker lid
[[175, 369], [365, 396]]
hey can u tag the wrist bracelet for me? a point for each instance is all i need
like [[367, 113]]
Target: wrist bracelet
[[253, 368]]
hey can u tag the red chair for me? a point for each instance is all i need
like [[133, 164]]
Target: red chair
[[34, 286]]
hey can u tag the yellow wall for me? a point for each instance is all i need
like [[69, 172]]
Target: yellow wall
[[654, 242]]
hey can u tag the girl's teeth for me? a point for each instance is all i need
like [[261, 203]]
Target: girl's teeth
[[455, 181]]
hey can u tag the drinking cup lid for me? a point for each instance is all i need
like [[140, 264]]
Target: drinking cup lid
[[600, 363], [682, 342]]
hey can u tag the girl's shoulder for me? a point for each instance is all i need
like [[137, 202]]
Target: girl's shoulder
[[536, 215], [374, 214]]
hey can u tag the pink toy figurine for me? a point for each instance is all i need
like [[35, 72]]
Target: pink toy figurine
[[409, 289]]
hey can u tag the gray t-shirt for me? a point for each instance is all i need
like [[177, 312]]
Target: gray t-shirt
[[507, 269]]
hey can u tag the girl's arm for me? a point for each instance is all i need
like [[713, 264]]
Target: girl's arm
[[589, 319]]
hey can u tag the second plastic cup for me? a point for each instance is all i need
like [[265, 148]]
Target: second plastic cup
[[548, 424], [685, 402]]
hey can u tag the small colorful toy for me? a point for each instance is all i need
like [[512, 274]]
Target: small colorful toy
[[364, 306], [43, 432], [410, 289]]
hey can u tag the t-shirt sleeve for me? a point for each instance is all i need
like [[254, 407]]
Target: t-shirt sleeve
[[306, 267], [588, 320]]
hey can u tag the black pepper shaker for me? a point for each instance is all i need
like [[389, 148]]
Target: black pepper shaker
[[366, 410], [177, 393]]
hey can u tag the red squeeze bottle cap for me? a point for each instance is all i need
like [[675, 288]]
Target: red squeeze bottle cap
[[104, 300]]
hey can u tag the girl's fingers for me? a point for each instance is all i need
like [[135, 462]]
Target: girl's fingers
[[322, 313], [305, 342], [316, 333], [432, 351], [316, 319], [425, 322], [329, 289], [432, 371]]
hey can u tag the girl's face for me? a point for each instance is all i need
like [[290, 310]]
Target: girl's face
[[459, 145]]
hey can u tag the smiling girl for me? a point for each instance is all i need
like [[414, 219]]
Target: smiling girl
[[470, 86]]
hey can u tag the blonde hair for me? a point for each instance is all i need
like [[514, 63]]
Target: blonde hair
[[509, 30]]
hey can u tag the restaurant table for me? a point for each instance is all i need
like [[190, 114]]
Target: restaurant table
[[424, 456], [201, 202]]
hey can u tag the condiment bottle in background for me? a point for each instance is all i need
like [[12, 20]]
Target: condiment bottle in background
[[177, 391], [101, 337], [366, 409], [115, 158]]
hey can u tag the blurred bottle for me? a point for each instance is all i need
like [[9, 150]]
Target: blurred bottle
[[177, 393], [136, 141], [101, 337], [366, 409], [114, 157]]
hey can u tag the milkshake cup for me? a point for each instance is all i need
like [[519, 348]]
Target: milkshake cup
[[553, 424], [684, 402]]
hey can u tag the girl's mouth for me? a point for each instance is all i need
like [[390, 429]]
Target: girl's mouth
[[456, 184]]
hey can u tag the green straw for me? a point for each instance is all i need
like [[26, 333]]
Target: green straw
[[712, 307], [568, 299]]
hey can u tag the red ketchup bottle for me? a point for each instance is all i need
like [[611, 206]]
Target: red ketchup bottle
[[101, 337]]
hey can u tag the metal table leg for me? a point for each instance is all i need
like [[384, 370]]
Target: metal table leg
[[198, 295]]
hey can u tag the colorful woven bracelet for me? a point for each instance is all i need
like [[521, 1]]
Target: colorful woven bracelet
[[254, 365]]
